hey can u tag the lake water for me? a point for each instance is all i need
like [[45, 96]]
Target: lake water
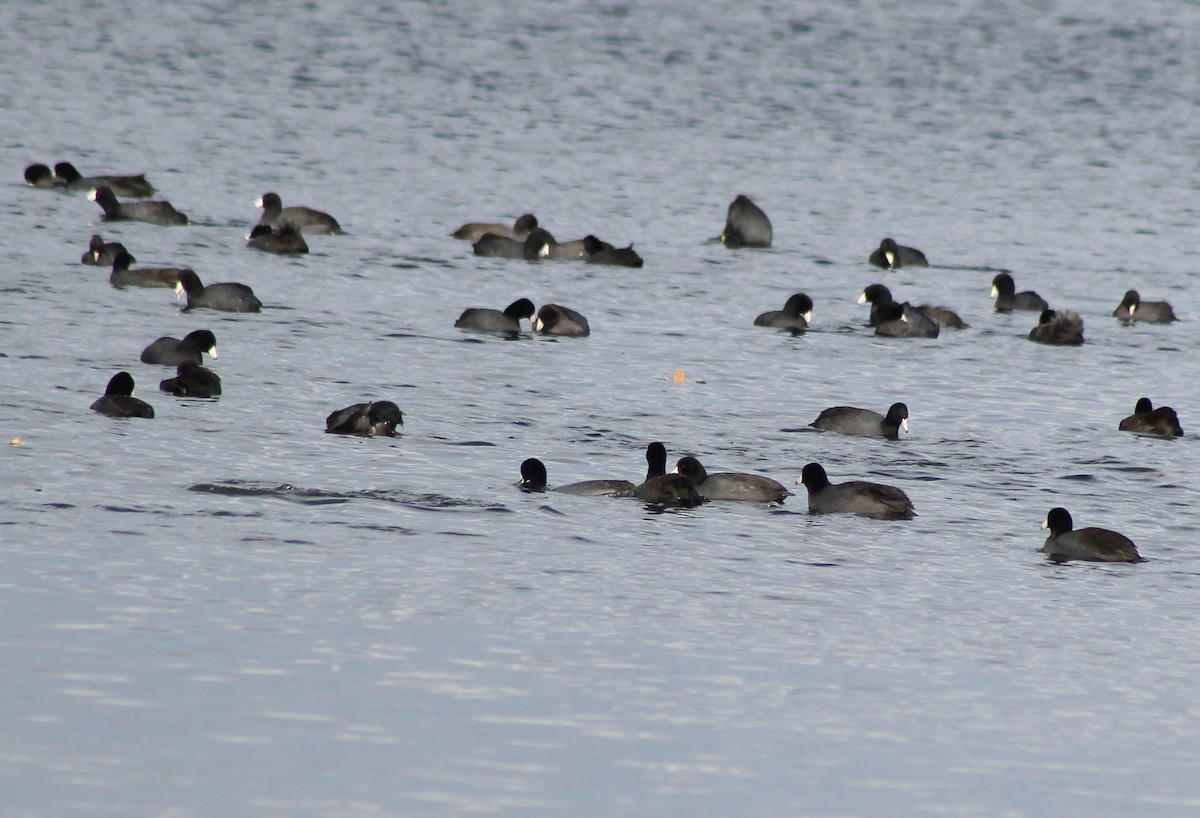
[[225, 611]]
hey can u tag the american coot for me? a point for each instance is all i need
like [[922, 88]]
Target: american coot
[[1059, 328], [102, 253], [1133, 308], [133, 187], [1095, 544], [1146, 420], [878, 294], [854, 497], [1004, 290], [533, 478], [474, 231], [192, 381], [227, 297], [40, 175], [168, 351], [660, 488], [160, 213], [536, 246], [118, 400], [379, 417], [904, 321], [304, 219], [122, 276], [746, 225], [890, 255], [850, 420], [482, 319], [283, 239], [731, 485], [795, 315], [554, 319], [601, 252]]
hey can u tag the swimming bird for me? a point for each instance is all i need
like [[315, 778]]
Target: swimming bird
[[366, 419], [283, 239], [122, 276], [1146, 420], [878, 294], [1095, 544], [538, 245], [553, 319], [474, 231], [601, 252], [850, 420], [795, 315], [304, 219], [163, 214], [40, 175], [904, 321], [1004, 290], [483, 319], [746, 225], [752, 488], [875, 500], [1058, 328], [130, 186], [533, 478], [192, 381], [1133, 308], [118, 400], [227, 297], [101, 253], [660, 488], [168, 351], [890, 256]]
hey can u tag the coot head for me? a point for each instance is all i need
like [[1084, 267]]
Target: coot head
[[533, 475]]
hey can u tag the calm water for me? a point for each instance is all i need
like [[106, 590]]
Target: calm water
[[225, 611]]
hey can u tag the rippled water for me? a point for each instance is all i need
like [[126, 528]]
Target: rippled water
[[225, 611]]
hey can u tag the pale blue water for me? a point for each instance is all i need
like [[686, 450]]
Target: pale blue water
[[225, 611]]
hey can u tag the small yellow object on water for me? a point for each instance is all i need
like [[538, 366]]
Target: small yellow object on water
[[16, 441], [679, 376]]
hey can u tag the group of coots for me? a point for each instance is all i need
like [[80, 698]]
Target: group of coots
[[280, 230]]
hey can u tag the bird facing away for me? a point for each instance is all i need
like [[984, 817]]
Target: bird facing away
[[192, 381], [118, 400], [1094, 544], [534, 478], [751, 488], [867, 499], [1146, 420], [1058, 328]]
